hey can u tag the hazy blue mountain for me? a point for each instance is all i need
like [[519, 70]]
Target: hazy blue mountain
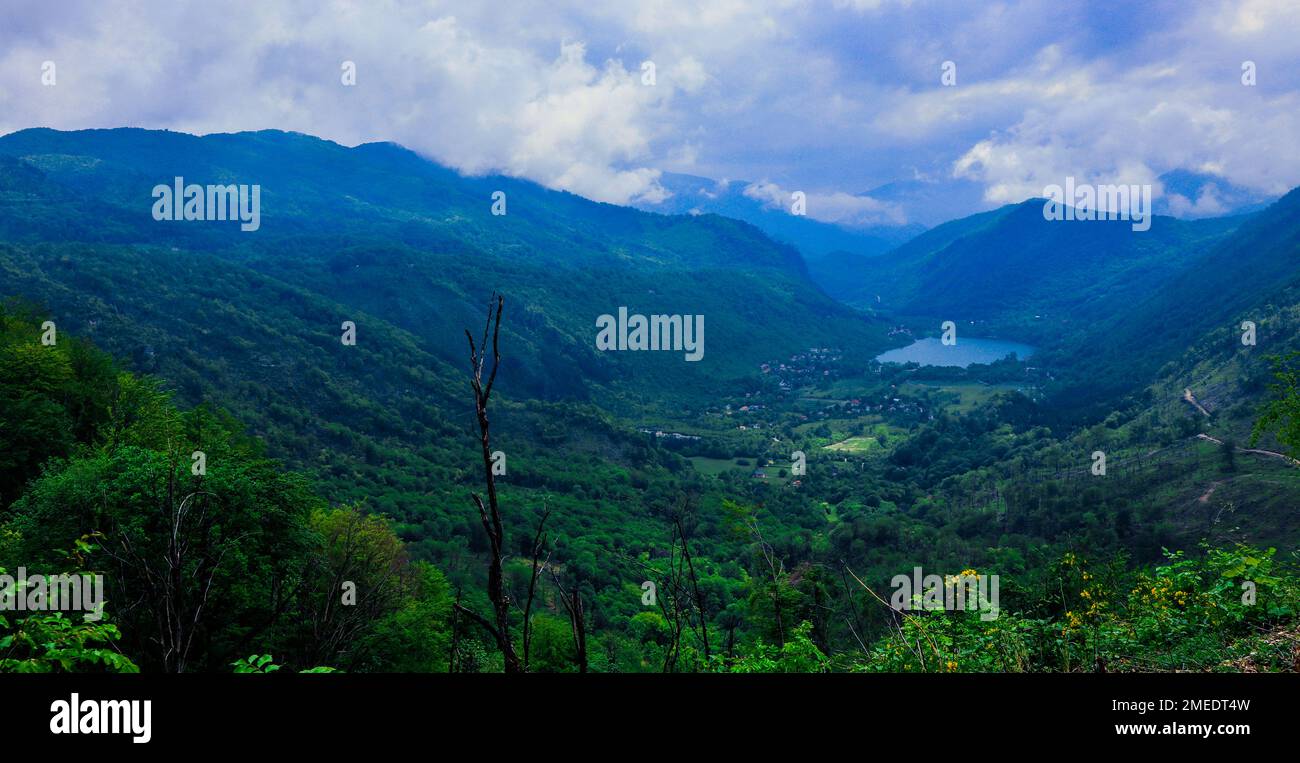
[[1191, 195], [930, 201], [850, 278], [815, 239]]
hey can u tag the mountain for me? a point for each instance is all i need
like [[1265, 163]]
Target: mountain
[[1010, 271], [1191, 195], [852, 279], [380, 231], [1114, 311], [692, 195], [628, 455], [929, 201], [409, 251], [1188, 330]]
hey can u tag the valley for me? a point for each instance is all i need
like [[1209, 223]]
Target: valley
[[187, 336]]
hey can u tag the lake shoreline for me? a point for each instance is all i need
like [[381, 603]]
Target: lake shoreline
[[930, 351]]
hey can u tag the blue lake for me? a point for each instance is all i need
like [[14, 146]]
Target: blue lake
[[932, 352]]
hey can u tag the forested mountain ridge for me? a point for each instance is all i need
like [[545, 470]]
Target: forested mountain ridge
[[1012, 271], [1112, 310], [381, 230], [741, 200], [1251, 275], [618, 463], [251, 322]]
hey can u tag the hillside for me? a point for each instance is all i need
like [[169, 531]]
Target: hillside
[[812, 237], [1252, 275], [1014, 273], [378, 230], [952, 469], [1189, 335]]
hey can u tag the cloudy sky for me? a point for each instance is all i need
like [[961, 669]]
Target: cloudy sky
[[833, 98]]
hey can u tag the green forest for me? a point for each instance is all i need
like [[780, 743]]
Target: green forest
[[472, 488]]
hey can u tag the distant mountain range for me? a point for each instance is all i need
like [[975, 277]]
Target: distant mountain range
[[1012, 271], [915, 206], [402, 246], [410, 250], [1112, 309], [691, 195]]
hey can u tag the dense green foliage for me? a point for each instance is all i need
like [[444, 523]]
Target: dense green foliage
[[327, 464], [1281, 416], [1011, 271], [241, 554]]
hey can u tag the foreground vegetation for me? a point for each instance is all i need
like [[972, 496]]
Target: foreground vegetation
[[99, 475]]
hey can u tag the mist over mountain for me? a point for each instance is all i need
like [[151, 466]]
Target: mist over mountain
[[770, 211], [918, 204], [931, 201], [1191, 195]]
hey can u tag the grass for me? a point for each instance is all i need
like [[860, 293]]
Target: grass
[[855, 445], [960, 397], [715, 466]]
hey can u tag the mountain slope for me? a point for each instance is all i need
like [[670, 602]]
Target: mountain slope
[[1013, 272], [377, 229], [814, 238], [1193, 321]]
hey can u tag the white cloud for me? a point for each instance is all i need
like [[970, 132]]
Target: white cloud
[[1185, 108], [688, 74], [833, 207], [1206, 204], [430, 81], [838, 97]]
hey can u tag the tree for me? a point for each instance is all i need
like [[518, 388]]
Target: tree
[[201, 566], [797, 655], [357, 578], [572, 602], [416, 636], [701, 611], [1281, 416], [51, 397], [52, 642], [490, 515]]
